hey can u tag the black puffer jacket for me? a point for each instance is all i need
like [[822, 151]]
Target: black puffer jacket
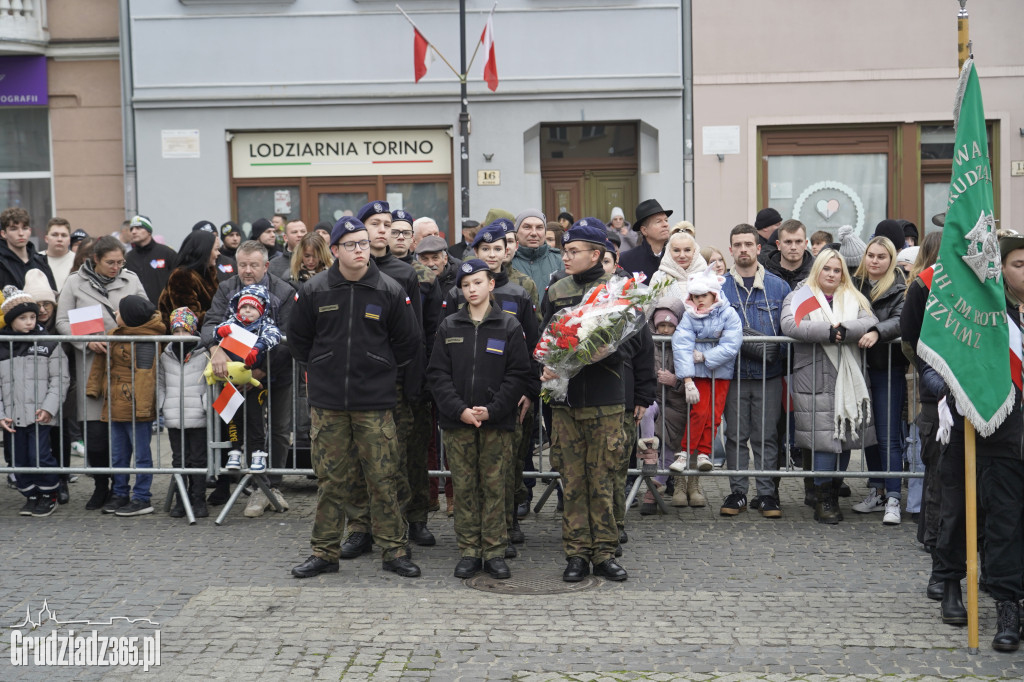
[[485, 365], [888, 308]]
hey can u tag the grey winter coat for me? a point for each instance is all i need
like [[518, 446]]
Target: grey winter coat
[[79, 293], [813, 381], [35, 378], [169, 385]]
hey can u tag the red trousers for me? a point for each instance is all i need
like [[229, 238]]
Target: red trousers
[[705, 416]]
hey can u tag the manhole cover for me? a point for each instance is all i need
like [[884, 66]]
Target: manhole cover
[[530, 581]]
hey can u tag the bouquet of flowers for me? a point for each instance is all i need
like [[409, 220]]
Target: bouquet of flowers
[[586, 333]]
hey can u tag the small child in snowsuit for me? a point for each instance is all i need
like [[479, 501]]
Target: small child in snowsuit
[[704, 348]]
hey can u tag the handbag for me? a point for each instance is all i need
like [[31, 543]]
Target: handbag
[[761, 352]]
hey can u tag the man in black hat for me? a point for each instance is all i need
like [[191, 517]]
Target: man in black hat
[[469, 230], [767, 223], [230, 238], [149, 259], [652, 223]]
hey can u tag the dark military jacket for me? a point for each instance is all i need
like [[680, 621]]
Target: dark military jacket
[[602, 382], [485, 364], [354, 336]]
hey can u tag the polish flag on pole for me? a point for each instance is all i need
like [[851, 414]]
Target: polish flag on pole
[[87, 320], [422, 55], [228, 402], [803, 304], [239, 341], [491, 65]]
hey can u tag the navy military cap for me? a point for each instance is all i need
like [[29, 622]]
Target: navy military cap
[[495, 232], [398, 215], [372, 208], [346, 225], [468, 268], [587, 230]]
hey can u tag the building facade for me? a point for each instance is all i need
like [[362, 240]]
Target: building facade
[[60, 112]]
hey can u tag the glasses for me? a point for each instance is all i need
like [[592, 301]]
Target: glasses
[[572, 253], [362, 245], [401, 233], [113, 263]]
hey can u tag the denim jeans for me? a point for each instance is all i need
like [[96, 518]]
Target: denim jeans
[[887, 410], [124, 442], [827, 461], [30, 447]]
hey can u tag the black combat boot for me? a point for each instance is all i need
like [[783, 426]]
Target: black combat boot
[[953, 611], [1008, 625]]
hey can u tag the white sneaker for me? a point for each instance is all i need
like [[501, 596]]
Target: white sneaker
[[892, 512], [259, 461], [874, 503], [681, 461], [704, 463], [280, 499], [234, 460], [258, 504], [78, 448]]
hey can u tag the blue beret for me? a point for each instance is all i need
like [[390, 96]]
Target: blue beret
[[506, 224], [400, 215], [609, 246], [494, 232], [468, 268], [373, 208], [587, 230], [346, 225]]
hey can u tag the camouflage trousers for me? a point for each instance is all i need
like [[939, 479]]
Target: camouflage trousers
[[629, 430], [590, 441], [478, 460], [413, 423], [355, 452], [515, 489]]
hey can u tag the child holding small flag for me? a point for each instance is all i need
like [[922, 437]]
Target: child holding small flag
[[130, 406], [247, 335], [831, 398], [183, 401]]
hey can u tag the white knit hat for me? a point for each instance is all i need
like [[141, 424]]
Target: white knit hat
[[38, 287], [707, 282]]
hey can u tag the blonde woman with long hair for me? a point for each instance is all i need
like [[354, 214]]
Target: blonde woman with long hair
[[310, 257], [880, 280], [831, 398], [681, 259]]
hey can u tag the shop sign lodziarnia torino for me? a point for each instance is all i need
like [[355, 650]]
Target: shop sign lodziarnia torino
[[341, 153]]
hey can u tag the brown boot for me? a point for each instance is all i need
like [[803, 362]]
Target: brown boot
[[679, 496], [693, 490], [450, 508]]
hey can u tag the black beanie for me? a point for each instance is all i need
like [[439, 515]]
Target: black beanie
[[259, 226], [135, 310], [893, 231], [909, 230], [767, 217]]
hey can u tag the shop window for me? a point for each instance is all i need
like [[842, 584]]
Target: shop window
[[263, 202], [26, 179], [937, 142], [421, 199], [590, 141]]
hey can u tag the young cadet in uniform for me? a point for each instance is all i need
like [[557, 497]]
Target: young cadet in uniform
[[490, 246], [412, 491], [354, 328], [478, 371], [586, 433]]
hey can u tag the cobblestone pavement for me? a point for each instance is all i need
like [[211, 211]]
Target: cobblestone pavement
[[708, 597]]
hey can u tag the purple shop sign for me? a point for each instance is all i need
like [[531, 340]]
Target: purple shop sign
[[23, 81]]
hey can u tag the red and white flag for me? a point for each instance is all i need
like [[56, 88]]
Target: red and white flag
[[87, 320], [1016, 360], [491, 65], [803, 304], [422, 55], [228, 402], [239, 341]]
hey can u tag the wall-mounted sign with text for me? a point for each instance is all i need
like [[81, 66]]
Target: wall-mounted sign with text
[[341, 153], [23, 81]]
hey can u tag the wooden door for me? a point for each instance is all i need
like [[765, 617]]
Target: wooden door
[[607, 189], [563, 192]]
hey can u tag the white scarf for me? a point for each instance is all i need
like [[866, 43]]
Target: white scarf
[[852, 400]]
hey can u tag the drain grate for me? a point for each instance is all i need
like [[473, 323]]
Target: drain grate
[[530, 581]]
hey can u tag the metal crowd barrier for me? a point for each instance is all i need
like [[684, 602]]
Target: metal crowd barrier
[[289, 445]]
